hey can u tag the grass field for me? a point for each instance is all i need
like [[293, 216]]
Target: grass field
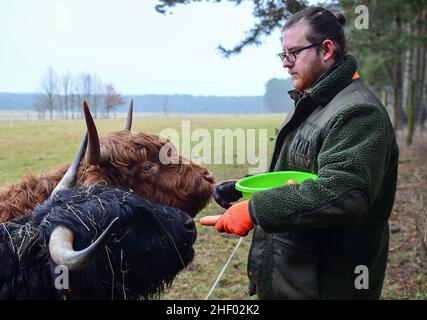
[[34, 147]]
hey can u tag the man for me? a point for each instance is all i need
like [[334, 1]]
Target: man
[[325, 238]]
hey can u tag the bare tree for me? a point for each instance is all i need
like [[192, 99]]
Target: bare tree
[[65, 94], [73, 102], [38, 106], [97, 94], [78, 95], [89, 87], [47, 100], [112, 99]]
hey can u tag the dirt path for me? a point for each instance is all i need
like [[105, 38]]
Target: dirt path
[[406, 276]]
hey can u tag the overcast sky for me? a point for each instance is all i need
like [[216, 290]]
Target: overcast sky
[[131, 45]]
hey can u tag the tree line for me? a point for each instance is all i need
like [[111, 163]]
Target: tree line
[[63, 95]]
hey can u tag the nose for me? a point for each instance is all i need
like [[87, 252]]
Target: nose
[[208, 177], [190, 225], [287, 64]]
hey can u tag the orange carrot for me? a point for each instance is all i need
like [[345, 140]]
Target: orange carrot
[[209, 220], [292, 181]]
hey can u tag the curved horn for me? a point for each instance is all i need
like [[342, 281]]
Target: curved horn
[[68, 178], [62, 252], [94, 154], [128, 123]]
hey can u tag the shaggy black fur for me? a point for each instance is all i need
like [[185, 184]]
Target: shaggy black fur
[[140, 261]]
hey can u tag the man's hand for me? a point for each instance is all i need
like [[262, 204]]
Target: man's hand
[[236, 220], [225, 192]]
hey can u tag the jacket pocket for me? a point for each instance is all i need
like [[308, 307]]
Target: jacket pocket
[[294, 270], [302, 152]]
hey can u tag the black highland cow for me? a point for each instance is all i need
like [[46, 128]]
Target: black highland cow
[[137, 257]]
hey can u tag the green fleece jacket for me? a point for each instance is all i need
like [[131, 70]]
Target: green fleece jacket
[[313, 240]]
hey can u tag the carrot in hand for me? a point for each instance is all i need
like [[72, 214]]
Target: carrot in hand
[[210, 220]]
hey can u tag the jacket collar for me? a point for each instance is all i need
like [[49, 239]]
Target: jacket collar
[[295, 95], [330, 82]]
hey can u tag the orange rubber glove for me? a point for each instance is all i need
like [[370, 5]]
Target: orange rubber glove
[[236, 220]]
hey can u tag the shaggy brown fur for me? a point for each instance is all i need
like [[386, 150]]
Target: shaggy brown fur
[[134, 163]]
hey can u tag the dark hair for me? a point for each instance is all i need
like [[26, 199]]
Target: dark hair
[[323, 24]]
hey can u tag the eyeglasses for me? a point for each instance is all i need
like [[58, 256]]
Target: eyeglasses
[[291, 56]]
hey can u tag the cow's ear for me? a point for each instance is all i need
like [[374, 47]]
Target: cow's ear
[[94, 155], [128, 123]]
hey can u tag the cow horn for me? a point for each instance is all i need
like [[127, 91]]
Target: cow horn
[[128, 123], [62, 252], [68, 178], [94, 155]]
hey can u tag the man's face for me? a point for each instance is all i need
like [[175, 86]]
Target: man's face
[[308, 65]]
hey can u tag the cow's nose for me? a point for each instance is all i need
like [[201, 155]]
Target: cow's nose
[[208, 177], [190, 225]]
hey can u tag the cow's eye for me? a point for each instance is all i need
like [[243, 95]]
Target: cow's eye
[[147, 166], [139, 145]]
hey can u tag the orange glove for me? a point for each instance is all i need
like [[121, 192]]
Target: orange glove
[[236, 220]]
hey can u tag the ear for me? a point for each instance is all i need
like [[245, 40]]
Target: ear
[[328, 49]]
